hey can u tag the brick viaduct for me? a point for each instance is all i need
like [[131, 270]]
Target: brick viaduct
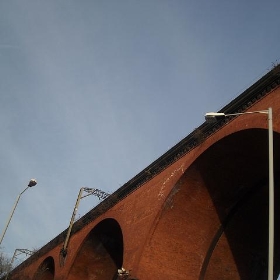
[[200, 211]]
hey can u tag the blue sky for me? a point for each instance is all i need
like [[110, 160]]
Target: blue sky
[[92, 92]]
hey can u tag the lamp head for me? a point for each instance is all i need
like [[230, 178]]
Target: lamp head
[[214, 117], [32, 183]]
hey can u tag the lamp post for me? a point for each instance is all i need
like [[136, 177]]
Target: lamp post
[[31, 183], [212, 117], [90, 191]]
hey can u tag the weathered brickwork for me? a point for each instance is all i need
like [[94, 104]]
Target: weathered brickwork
[[198, 212]]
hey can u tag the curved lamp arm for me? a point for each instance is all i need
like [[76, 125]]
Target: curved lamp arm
[[31, 183]]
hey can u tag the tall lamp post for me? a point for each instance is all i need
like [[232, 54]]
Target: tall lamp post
[[31, 183], [212, 117]]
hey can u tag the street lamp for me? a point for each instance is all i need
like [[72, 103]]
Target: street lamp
[[212, 117], [31, 184]]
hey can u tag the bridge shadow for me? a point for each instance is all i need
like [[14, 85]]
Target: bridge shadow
[[46, 270], [100, 254], [235, 173]]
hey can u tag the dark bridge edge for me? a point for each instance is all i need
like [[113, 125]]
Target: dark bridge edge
[[240, 104]]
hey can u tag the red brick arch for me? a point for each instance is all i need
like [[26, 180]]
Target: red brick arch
[[46, 270], [214, 221], [100, 254]]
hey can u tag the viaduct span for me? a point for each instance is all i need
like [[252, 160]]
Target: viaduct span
[[200, 211]]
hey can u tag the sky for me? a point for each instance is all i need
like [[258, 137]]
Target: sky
[[92, 92]]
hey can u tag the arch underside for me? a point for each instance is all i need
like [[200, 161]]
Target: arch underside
[[214, 224], [46, 270], [101, 253]]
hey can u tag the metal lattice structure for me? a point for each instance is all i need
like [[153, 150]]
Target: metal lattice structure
[[90, 191], [96, 192], [17, 253]]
